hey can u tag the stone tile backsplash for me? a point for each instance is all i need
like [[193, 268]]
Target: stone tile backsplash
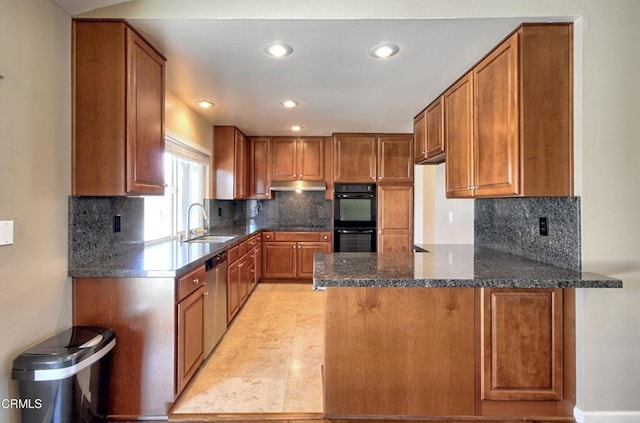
[[91, 235], [304, 209], [512, 225]]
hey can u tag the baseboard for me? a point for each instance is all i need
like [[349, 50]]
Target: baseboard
[[606, 416]]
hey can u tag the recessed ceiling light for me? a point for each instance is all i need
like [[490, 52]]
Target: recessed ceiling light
[[278, 50], [295, 128], [384, 50], [290, 104], [205, 104]]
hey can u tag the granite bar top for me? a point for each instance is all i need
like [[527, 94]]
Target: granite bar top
[[170, 259], [448, 265]]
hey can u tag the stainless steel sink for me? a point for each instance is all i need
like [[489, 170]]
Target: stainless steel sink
[[212, 238]]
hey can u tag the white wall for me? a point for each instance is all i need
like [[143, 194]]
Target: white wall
[[35, 170], [453, 217]]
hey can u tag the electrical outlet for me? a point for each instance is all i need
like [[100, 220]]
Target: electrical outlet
[[544, 226], [219, 211], [116, 223]]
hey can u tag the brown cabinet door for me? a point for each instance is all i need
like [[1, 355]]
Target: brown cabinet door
[[190, 336], [240, 166], [245, 274], [259, 167], [496, 138], [458, 133], [233, 290], [434, 116], [522, 341], [279, 260], [395, 162], [419, 138], [355, 158], [310, 159], [145, 118], [395, 218], [304, 255], [283, 162]]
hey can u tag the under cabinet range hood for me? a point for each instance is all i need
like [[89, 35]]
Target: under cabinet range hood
[[298, 186]]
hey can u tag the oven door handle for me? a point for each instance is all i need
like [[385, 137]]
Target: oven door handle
[[354, 231], [356, 196]]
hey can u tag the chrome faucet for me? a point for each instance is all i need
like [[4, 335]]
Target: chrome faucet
[[189, 233]]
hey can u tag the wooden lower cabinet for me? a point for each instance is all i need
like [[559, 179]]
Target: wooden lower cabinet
[[158, 324], [190, 336], [289, 255], [241, 273], [450, 353]]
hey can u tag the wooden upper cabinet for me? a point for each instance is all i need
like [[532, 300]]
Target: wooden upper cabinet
[[230, 163], [434, 116], [355, 158], [458, 133], [496, 148], [419, 138], [428, 129], [521, 116], [296, 159], [395, 162], [259, 163], [118, 111]]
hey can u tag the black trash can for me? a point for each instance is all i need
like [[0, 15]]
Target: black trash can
[[65, 378]]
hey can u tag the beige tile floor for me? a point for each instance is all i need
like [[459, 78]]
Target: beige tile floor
[[270, 359]]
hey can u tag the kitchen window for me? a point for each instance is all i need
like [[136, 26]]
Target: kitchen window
[[186, 182]]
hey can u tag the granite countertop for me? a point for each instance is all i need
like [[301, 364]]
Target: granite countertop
[[448, 265], [170, 259]]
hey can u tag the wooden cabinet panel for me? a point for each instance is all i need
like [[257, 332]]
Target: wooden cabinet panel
[[230, 163], [298, 159], [419, 138], [522, 342], [355, 158], [245, 275], [497, 150], [118, 111], [395, 218], [190, 282], [284, 162], [458, 132], [190, 336], [142, 312], [259, 167], [434, 138], [399, 352], [145, 118], [279, 259], [311, 159], [395, 154], [304, 255], [233, 290]]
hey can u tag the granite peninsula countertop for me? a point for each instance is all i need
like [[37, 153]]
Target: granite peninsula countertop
[[170, 259], [448, 265]]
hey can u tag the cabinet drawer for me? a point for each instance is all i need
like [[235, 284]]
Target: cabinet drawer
[[243, 247], [190, 282], [267, 236], [297, 236], [232, 255]]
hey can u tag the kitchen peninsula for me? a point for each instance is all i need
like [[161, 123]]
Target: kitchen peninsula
[[491, 337]]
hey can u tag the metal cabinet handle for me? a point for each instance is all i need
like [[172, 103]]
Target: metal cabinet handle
[[195, 281], [206, 294]]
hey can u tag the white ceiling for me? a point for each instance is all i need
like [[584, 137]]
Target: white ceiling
[[339, 86]]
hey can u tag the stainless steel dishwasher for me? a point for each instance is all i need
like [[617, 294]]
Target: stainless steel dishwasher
[[215, 301]]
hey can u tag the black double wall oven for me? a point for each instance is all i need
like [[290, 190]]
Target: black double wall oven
[[355, 216]]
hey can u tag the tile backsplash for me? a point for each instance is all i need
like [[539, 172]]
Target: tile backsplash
[[91, 235], [304, 209], [512, 225]]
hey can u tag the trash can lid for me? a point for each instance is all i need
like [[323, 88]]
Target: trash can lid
[[64, 354]]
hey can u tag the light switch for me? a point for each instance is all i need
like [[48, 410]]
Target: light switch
[[6, 232]]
